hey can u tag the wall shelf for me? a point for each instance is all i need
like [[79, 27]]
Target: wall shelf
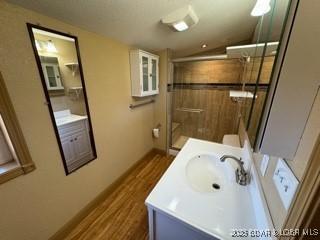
[[74, 66], [76, 90], [71, 64]]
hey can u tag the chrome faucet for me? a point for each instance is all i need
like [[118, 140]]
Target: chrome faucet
[[242, 177]]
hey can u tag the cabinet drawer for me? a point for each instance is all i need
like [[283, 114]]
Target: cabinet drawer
[[71, 128]]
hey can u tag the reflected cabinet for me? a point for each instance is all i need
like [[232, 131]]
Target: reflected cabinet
[[51, 74]]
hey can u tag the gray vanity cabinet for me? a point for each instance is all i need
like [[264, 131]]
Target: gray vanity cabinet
[[296, 81], [165, 227]]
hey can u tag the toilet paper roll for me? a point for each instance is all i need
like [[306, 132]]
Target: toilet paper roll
[[155, 132]]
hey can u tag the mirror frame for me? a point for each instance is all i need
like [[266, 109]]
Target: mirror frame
[[31, 26]]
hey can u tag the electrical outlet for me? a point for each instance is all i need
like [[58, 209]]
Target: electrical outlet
[[264, 164], [285, 181]]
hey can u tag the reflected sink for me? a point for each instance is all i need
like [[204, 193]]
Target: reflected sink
[[205, 173]]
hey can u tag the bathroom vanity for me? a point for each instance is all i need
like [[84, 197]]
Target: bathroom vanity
[[198, 197], [75, 140]]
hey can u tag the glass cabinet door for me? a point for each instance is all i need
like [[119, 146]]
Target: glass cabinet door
[[52, 81], [154, 64], [52, 76], [145, 74]]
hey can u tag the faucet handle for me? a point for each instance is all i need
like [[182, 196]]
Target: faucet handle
[[243, 178]]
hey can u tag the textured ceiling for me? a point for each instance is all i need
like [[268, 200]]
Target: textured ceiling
[[137, 22]]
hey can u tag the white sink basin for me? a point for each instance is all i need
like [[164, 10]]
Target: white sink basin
[[65, 117], [185, 191], [205, 173]]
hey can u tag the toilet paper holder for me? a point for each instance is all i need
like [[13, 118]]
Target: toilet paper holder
[[156, 131]]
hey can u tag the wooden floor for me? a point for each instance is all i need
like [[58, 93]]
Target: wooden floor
[[123, 215]]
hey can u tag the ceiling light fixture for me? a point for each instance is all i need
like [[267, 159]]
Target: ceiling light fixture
[[181, 19], [180, 26], [51, 47], [261, 8], [204, 45], [39, 48]]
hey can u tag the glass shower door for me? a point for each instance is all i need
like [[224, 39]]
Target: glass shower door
[[201, 106], [186, 119]]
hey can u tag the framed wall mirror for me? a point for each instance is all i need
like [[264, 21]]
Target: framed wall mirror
[[258, 69], [58, 59]]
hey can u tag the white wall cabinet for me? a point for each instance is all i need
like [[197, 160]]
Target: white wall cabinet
[[75, 143], [52, 76], [144, 73]]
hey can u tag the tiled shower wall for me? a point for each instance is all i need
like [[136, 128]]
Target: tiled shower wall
[[205, 86], [217, 71], [216, 113]]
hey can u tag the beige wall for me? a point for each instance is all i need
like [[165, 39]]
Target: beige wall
[[36, 205], [160, 111]]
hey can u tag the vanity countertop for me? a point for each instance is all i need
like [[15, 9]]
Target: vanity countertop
[[215, 213], [66, 117]]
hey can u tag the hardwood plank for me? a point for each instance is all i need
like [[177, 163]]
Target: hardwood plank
[[123, 214]]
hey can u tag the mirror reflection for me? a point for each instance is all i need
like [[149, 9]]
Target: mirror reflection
[[62, 79], [215, 92], [267, 36]]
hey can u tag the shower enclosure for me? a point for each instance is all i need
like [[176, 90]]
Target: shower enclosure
[[202, 101], [210, 96], [201, 105], [204, 94]]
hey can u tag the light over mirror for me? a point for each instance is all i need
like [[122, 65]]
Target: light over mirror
[[58, 59]]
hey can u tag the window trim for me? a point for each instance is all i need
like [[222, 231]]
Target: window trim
[[24, 160], [7, 141]]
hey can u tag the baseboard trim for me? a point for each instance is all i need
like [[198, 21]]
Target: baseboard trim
[[71, 224], [173, 152], [159, 151]]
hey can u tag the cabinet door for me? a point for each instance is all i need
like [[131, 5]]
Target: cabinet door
[[154, 75], [68, 149], [145, 73], [52, 76], [81, 144]]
